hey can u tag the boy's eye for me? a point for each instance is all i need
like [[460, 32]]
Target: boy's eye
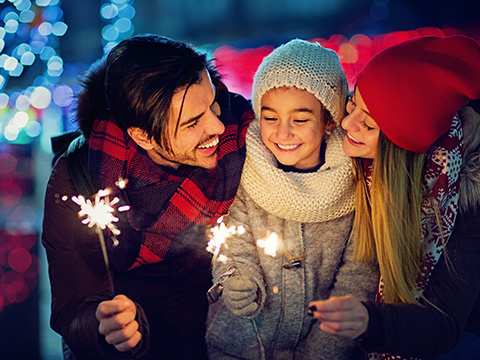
[[269, 118], [300, 121]]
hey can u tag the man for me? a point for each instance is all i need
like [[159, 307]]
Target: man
[[167, 138]]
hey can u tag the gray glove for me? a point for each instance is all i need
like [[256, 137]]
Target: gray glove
[[240, 295]]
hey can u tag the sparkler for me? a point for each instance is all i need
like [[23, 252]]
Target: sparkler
[[270, 244], [219, 235], [100, 214], [218, 239]]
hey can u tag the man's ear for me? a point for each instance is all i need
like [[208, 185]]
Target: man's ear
[[140, 137]]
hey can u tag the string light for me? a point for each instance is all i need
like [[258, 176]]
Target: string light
[[117, 15], [28, 38]]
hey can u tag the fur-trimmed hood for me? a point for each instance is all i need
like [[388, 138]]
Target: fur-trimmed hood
[[91, 99], [470, 174]]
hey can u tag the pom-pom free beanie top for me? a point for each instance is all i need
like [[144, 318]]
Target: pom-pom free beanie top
[[306, 66], [413, 89]]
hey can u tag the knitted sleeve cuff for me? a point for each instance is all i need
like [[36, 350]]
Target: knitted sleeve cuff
[[214, 293], [373, 337]]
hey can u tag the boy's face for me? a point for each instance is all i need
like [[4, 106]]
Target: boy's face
[[292, 126], [196, 139]]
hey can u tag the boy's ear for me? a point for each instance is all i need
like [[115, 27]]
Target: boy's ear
[[140, 137]]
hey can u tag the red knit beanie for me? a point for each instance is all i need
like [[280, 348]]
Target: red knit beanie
[[413, 89]]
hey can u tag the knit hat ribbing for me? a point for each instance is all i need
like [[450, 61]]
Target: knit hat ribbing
[[413, 89], [307, 66]]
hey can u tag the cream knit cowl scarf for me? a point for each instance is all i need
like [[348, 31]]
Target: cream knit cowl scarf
[[318, 196]]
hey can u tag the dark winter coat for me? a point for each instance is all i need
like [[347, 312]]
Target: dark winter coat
[[170, 295], [454, 285], [312, 214]]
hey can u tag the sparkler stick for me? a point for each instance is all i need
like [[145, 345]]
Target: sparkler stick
[[105, 259], [100, 215]]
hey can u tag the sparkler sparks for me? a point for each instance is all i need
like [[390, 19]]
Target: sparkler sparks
[[121, 183], [100, 214], [219, 235], [270, 244]]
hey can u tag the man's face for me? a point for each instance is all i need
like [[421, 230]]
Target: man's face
[[195, 141]]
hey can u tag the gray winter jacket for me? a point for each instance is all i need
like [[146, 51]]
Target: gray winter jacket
[[281, 328]]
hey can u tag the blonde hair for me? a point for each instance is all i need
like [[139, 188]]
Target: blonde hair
[[387, 225]]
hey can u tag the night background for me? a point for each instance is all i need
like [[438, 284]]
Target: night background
[[45, 45]]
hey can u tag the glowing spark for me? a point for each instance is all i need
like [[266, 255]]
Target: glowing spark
[[124, 208], [64, 198], [121, 183], [115, 241], [99, 213], [275, 289], [270, 244], [218, 237]]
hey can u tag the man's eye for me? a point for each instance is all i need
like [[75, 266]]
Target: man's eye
[[192, 125]]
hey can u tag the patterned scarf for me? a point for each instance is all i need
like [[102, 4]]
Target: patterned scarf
[[442, 175], [167, 206]]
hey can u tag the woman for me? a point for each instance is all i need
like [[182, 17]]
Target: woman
[[408, 148], [296, 183]]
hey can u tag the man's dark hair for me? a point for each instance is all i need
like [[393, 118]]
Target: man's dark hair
[[141, 75]]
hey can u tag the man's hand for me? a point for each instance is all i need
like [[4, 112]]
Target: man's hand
[[343, 316], [118, 324]]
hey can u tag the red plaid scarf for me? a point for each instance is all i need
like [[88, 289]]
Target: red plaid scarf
[[167, 206], [442, 181]]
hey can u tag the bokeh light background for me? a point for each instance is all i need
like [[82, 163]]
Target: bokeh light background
[[46, 45]]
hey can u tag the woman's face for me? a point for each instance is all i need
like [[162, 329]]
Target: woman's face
[[291, 124], [362, 131]]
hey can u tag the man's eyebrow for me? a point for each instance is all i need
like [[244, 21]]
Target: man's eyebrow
[[191, 120], [187, 122]]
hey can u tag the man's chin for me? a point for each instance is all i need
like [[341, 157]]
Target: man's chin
[[209, 162]]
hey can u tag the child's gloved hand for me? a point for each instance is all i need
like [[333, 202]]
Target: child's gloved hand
[[240, 295]]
